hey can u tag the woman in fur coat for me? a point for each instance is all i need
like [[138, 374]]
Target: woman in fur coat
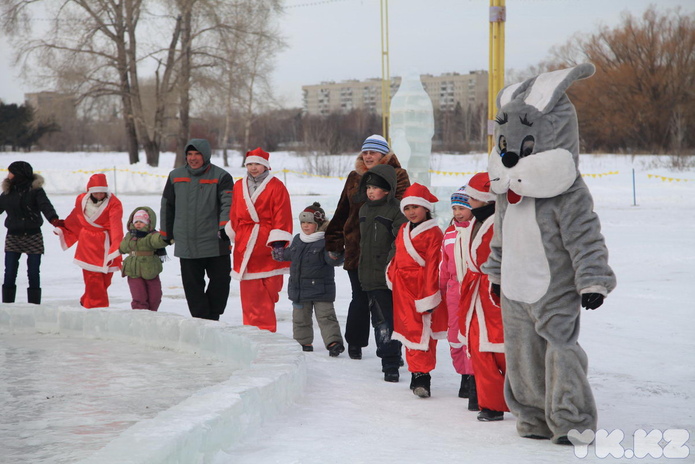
[[343, 235]]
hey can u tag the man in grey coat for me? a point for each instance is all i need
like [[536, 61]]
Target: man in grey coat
[[194, 211]]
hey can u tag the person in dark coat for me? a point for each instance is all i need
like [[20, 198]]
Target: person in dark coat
[[24, 200], [343, 235], [312, 282]]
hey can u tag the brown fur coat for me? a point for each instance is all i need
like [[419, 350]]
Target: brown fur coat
[[343, 232]]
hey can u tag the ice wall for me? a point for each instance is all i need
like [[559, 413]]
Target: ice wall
[[271, 374]]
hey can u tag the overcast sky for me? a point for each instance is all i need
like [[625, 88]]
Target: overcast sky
[[335, 40]]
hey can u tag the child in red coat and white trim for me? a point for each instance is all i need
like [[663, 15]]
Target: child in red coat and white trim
[[480, 318], [419, 313], [260, 219]]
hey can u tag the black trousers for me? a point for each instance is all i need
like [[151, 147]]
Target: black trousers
[[357, 325], [210, 303], [381, 307]]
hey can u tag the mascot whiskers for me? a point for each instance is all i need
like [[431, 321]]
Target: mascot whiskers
[[548, 256]]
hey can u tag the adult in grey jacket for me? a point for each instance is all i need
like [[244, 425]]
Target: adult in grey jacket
[[194, 211]]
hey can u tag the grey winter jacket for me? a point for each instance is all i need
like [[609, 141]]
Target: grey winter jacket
[[195, 207], [379, 224], [312, 276]]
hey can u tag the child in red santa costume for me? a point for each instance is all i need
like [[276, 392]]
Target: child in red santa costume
[[419, 313], [96, 225], [481, 317], [260, 219]]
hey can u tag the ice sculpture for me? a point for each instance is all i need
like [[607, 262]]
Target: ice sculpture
[[412, 127]]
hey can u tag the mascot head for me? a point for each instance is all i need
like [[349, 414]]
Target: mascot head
[[536, 136]]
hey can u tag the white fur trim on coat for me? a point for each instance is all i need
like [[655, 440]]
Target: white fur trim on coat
[[425, 337], [278, 235], [429, 302]]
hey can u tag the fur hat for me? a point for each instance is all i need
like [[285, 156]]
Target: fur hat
[[314, 214], [376, 181], [460, 197], [258, 156], [418, 194], [97, 183], [142, 216], [478, 188], [376, 143]]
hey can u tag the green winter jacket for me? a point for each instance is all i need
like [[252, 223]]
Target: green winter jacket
[[142, 262], [195, 207], [380, 221]]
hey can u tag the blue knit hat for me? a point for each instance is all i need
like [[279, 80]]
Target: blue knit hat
[[460, 197], [376, 143]]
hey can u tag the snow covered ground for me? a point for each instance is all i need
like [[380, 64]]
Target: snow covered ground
[[641, 342]]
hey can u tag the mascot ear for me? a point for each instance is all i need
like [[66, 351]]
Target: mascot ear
[[548, 88], [544, 91]]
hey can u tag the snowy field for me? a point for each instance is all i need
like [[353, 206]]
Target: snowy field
[[641, 342]]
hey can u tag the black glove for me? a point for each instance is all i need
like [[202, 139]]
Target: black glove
[[495, 289], [222, 235], [167, 240], [592, 300]]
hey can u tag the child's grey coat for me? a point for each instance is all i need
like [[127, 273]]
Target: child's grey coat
[[546, 252]]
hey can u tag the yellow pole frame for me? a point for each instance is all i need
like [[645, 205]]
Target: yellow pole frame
[[385, 70], [495, 80]]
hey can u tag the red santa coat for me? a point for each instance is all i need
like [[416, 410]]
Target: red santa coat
[[413, 275], [98, 236], [255, 221], [476, 298]]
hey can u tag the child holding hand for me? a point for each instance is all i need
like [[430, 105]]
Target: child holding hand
[[145, 249], [312, 282]]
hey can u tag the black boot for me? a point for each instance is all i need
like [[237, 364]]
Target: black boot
[[488, 415], [355, 352], [472, 394], [34, 295], [391, 374], [420, 384], [464, 388], [8, 293]]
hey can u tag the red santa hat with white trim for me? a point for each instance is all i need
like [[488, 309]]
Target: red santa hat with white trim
[[478, 188], [418, 194], [258, 156], [97, 183]]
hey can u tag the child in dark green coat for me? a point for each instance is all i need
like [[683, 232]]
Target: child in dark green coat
[[145, 249]]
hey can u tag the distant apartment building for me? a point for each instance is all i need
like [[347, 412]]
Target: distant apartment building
[[445, 91], [52, 105]]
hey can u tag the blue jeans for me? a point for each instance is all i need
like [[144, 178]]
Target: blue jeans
[[12, 266]]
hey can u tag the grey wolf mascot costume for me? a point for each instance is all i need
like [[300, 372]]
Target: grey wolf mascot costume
[[548, 255]]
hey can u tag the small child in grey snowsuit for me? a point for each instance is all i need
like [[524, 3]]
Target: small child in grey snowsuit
[[312, 282], [145, 249]]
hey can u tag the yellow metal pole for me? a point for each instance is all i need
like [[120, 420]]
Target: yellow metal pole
[[385, 70], [498, 16]]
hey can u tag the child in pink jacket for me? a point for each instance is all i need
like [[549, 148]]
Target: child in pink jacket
[[451, 272]]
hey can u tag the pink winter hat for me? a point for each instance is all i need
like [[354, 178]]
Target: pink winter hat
[[142, 216]]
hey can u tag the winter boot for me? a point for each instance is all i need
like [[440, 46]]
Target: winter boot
[[472, 395], [34, 295], [335, 348], [420, 384], [464, 388], [307, 348], [355, 352], [391, 374], [8, 293], [488, 415]]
